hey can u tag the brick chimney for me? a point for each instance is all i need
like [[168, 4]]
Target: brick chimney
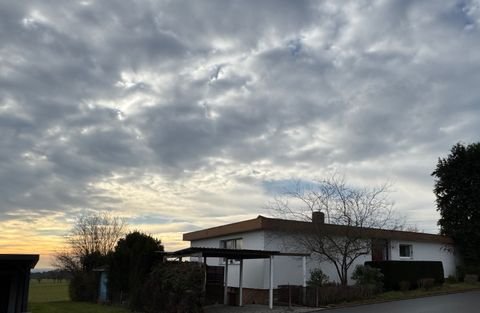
[[318, 217]]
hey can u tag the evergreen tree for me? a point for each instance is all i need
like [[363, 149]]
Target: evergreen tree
[[457, 187], [131, 262]]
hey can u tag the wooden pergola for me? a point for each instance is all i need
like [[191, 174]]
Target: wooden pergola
[[239, 254]]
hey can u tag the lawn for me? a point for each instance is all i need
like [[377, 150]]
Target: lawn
[[73, 307], [445, 288], [49, 296], [48, 290], [417, 293]]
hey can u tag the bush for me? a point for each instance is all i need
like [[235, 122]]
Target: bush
[[471, 278], [317, 278], [365, 275], [83, 287], [460, 272], [463, 270], [426, 283], [334, 293], [451, 279], [412, 271], [404, 285], [175, 287], [129, 265]]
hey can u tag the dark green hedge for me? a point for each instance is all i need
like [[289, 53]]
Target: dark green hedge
[[175, 287], [83, 287], [412, 271], [463, 270], [129, 266]]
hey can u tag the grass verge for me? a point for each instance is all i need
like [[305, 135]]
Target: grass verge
[[73, 307], [412, 294], [444, 289]]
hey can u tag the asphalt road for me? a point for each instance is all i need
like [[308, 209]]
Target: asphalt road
[[468, 302]]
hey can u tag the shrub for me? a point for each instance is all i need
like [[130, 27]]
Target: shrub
[[426, 283], [130, 264], [334, 293], [404, 285], [368, 276], [317, 278], [460, 272], [412, 271], [463, 270], [83, 287], [175, 287], [451, 279], [471, 278]]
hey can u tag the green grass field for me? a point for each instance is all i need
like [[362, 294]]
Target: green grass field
[[48, 291], [73, 307], [49, 296]]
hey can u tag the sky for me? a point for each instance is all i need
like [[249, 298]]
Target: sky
[[181, 115]]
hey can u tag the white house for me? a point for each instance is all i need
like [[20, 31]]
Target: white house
[[272, 234]]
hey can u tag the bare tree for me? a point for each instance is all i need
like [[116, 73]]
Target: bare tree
[[91, 235], [345, 212]]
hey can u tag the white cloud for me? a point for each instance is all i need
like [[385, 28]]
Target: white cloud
[[183, 109]]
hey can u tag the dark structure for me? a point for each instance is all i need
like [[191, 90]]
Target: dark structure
[[228, 255], [14, 281], [395, 272]]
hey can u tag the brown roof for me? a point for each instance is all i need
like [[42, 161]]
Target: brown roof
[[265, 223]]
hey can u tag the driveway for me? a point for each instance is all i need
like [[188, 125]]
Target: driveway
[[468, 302]]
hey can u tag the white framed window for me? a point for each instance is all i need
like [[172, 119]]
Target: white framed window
[[405, 251], [235, 243]]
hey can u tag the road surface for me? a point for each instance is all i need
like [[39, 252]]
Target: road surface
[[468, 302]]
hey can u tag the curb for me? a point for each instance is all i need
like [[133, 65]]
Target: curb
[[351, 305]]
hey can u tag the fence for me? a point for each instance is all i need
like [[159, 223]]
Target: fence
[[322, 296]]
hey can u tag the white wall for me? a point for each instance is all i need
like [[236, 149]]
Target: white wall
[[289, 270], [256, 272], [426, 251], [253, 270]]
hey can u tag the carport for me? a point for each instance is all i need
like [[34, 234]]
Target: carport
[[239, 254]]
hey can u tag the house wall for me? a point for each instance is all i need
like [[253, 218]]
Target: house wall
[[253, 270], [289, 269], [427, 251], [294, 273]]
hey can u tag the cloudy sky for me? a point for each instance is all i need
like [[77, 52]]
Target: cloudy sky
[[179, 115]]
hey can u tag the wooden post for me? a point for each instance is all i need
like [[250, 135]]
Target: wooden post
[[13, 294]]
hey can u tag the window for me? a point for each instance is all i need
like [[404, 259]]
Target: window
[[406, 251], [231, 243]]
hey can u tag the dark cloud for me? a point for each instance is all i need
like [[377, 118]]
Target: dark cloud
[[115, 91]]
